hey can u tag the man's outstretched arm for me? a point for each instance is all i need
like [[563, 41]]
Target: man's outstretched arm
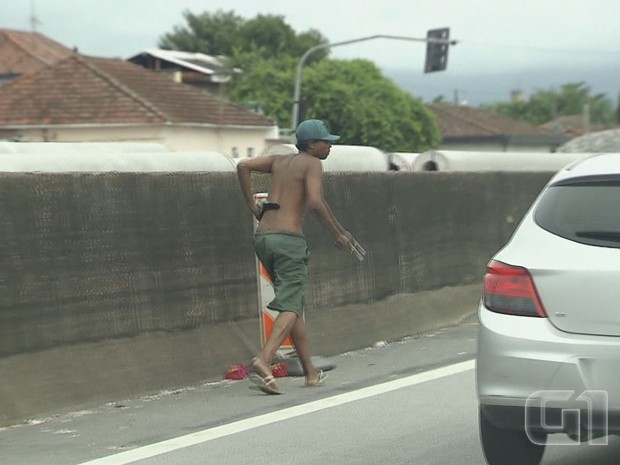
[[318, 205]]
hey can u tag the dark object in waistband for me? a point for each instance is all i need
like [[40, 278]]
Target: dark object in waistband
[[266, 206]]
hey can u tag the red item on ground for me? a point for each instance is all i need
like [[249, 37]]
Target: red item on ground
[[279, 370], [240, 371], [237, 372]]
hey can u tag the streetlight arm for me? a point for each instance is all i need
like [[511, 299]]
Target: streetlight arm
[[310, 51]]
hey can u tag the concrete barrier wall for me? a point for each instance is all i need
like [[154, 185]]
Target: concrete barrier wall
[[134, 263], [422, 231], [90, 257]]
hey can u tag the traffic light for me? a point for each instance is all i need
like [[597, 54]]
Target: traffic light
[[437, 53]]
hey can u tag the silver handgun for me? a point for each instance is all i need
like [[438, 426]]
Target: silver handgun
[[357, 250]]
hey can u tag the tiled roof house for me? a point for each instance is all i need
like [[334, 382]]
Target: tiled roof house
[[24, 52], [476, 129], [99, 99], [197, 69], [607, 141], [572, 126]]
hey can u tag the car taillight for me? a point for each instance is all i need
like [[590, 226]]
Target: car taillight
[[510, 289]]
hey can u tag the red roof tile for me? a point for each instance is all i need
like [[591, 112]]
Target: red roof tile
[[27, 52], [87, 90], [464, 121]]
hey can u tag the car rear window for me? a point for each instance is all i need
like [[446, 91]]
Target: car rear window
[[584, 209]]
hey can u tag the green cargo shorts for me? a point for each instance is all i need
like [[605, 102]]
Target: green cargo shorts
[[285, 256]]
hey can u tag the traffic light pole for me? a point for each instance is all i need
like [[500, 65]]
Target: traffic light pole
[[310, 51]]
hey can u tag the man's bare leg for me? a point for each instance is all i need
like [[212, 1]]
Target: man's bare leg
[[300, 340], [282, 327]]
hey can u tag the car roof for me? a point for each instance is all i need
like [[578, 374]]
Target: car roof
[[591, 165]]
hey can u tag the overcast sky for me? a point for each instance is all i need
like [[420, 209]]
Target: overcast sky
[[514, 40]]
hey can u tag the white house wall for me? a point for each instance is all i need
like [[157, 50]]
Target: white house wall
[[237, 143]]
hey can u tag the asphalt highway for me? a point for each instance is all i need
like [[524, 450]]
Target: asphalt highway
[[404, 402]]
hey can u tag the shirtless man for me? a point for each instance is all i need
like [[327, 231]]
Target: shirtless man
[[296, 184]]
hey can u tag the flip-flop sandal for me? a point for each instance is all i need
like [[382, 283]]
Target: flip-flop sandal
[[267, 384], [319, 382]]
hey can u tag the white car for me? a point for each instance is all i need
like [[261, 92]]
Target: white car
[[548, 361]]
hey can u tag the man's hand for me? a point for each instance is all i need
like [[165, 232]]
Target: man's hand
[[344, 240]]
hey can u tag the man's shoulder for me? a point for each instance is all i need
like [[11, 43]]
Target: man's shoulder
[[297, 165], [306, 159]]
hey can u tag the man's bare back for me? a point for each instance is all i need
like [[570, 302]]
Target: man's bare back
[[296, 184], [288, 189]]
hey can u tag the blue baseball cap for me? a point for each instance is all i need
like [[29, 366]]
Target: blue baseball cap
[[314, 129]]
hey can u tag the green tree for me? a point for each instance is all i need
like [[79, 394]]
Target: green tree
[[213, 34], [546, 105], [225, 33], [353, 97], [268, 82], [358, 102], [271, 37], [366, 108], [267, 36]]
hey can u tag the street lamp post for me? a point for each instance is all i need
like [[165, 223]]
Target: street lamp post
[[310, 51]]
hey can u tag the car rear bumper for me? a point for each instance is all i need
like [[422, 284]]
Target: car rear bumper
[[526, 366]]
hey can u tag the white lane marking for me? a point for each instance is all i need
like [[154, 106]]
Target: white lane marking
[[163, 447]]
